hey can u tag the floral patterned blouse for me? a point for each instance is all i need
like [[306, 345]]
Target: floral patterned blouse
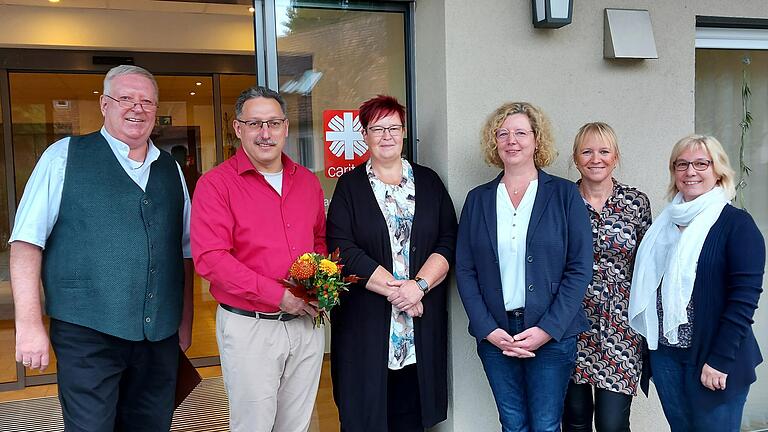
[[397, 204], [610, 352]]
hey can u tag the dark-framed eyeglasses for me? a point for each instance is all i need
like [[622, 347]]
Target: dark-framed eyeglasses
[[504, 135], [698, 164], [130, 104], [272, 124], [394, 130]]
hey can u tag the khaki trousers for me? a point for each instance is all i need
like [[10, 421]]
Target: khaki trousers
[[271, 371]]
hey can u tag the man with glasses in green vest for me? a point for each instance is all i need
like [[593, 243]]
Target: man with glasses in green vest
[[104, 222]]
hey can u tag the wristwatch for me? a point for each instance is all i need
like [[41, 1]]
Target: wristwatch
[[422, 284]]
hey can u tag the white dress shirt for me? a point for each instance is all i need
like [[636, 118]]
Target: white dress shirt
[[512, 231], [39, 206]]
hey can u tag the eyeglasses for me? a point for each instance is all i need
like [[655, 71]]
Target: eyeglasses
[[273, 124], [698, 164], [130, 104], [503, 135], [394, 130]]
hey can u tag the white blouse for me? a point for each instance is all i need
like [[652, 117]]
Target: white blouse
[[512, 231]]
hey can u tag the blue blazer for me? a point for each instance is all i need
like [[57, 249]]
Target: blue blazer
[[558, 260]]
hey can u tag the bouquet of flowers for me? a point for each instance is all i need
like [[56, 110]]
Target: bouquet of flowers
[[316, 278]]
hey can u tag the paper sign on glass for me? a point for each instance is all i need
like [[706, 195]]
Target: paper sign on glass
[[344, 144]]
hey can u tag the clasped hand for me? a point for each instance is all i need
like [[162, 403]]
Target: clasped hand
[[521, 345], [406, 296]]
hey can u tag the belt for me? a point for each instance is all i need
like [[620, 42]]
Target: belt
[[516, 313], [282, 316]]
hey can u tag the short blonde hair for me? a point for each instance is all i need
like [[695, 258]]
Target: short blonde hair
[[721, 165], [600, 130], [545, 152]]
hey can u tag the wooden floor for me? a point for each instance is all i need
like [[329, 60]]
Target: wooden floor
[[324, 417], [203, 331]]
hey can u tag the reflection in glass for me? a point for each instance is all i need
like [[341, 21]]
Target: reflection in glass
[[7, 360], [231, 86], [334, 60]]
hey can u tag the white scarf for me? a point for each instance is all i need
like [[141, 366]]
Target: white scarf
[[668, 256]]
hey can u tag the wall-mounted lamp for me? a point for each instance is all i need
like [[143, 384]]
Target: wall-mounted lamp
[[552, 13]]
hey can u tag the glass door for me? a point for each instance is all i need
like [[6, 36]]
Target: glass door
[[722, 75], [8, 367], [329, 61]]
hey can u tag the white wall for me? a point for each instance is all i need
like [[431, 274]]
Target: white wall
[[473, 56]]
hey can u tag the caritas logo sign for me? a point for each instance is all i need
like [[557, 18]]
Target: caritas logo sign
[[344, 145]]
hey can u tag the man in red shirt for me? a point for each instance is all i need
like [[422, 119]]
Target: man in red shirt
[[252, 216]]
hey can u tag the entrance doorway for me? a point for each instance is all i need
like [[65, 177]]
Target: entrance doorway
[[320, 55]]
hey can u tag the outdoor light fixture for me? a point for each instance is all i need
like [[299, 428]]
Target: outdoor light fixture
[[552, 13]]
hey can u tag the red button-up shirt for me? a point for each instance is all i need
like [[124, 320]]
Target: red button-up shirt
[[245, 236]]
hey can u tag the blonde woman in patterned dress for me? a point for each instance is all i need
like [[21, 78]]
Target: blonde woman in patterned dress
[[609, 362]]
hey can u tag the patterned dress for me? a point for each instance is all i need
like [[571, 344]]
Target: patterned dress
[[610, 352], [398, 204]]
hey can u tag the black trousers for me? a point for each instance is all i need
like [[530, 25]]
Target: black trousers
[[403, 401], [110, 384], [611, 409]]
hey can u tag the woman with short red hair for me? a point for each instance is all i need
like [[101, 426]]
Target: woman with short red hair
[[395, 226]]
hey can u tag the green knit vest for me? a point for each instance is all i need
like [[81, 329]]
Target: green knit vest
[[113, 261]]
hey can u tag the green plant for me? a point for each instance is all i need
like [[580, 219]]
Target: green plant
[[746, 122]]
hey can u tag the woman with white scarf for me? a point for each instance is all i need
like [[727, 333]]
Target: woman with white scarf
[[697, 281]]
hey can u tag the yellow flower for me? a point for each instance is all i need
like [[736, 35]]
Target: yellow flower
[[328, 267], [306, 257]]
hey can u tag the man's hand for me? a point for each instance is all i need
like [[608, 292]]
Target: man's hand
[[531, 339], [503, 341], [32, 342], [406, 294], [712, 378], [296, 306], [32, 345]]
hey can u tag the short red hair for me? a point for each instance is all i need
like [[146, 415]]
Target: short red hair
[[378, 107]]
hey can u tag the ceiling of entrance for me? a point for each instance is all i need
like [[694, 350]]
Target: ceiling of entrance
[[222, 7]]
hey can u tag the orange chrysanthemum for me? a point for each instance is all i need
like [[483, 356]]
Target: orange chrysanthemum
[[303, 270]]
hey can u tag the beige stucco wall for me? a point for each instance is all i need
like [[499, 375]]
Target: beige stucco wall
[[472, 56]]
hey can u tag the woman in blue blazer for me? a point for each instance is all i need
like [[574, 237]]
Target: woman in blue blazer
[[523, 263]]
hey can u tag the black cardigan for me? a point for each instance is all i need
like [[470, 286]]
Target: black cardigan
[[360, 323]]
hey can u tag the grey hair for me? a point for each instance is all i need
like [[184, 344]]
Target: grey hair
[[128, 70], [257, 92]]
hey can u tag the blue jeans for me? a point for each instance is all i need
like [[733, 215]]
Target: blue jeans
[[677, 379], [529, 393]]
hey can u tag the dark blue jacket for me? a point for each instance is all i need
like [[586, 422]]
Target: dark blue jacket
[[729, 280], [558, 260]]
